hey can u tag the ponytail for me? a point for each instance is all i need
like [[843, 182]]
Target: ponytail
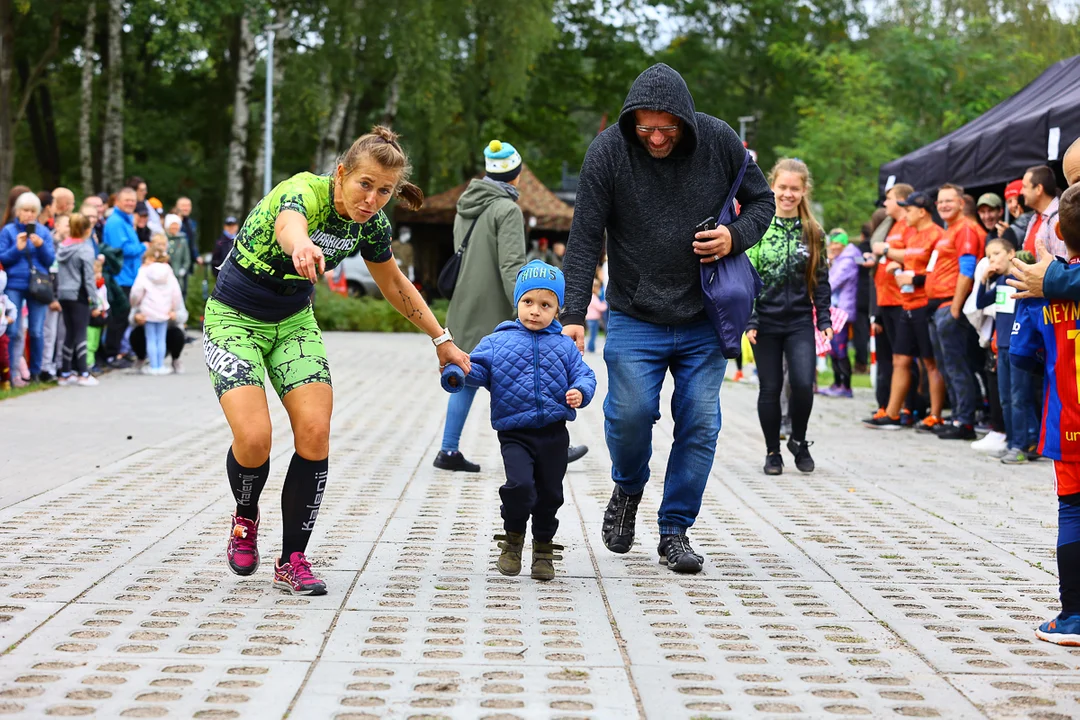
[[812, 232]]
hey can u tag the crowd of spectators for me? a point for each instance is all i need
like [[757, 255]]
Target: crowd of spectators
[[92, 287], [930, 275]]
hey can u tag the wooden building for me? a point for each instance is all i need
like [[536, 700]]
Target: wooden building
[[431, 228]]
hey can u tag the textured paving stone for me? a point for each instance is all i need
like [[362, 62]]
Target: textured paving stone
[[902, 579]]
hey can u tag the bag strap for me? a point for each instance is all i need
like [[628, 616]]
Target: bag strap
[[738, 181], [468, 234]]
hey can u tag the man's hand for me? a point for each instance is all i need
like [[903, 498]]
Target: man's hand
[[879, 329], [573, 398], [955, 310], [1028, 279], [713, 244], [451, 354], [309, 261], [828, 333], [880, 248], [904, 278], [96, 312], [751, 335], [1001, 227], [577, 334]]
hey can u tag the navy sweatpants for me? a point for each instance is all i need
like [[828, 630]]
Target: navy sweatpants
[[535, 462]]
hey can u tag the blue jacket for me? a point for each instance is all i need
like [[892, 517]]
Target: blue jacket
[[120, 234], [1061, 282], [16, 262], [529, 374]]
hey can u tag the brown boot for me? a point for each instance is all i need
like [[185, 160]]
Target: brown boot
[[543, 560], [510, 560]]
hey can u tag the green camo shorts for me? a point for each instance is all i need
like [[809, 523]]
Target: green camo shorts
[[240, 350]]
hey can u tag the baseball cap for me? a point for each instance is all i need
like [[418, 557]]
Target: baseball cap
[[990, 199], [1014, 189], [141, 208], [231, 220], [919, 200]]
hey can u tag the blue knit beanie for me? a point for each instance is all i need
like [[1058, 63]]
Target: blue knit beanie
[[538, 275], [501, 161]]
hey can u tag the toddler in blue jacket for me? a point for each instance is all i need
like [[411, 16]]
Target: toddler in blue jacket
[[537, 379]]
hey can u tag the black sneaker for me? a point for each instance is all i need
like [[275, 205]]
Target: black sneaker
[[619, 520], [46, 377], [957, 432], [801, 451], [676, 553], [774, 464], [576, 452], [881, 421], [119, 363], [455, 462]]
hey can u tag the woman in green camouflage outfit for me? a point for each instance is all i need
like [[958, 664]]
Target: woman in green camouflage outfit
[[259, 321]]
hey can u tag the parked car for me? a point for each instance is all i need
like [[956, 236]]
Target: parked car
[[358, 277]]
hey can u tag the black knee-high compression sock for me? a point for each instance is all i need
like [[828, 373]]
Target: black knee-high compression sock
[[301, 497], [247, 485]]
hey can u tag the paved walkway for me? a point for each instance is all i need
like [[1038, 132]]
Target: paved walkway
[[901, 579]]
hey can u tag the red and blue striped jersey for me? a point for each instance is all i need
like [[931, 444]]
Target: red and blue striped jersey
[[1051, 329]]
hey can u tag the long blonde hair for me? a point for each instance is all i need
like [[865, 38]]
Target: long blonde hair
[[382, 146], [813, 234]]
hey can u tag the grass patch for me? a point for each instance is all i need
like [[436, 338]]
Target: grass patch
[[332, 311], [17, 391]]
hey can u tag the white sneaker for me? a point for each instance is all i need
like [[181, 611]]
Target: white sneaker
[[177, 367], [993, 444], [67, 381], [146, 370], [87, 381]]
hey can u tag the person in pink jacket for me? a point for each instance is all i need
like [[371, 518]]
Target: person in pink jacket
[[156, 294], [594, 314]]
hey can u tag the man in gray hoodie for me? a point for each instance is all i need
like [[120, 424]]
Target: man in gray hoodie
[[649, 181]]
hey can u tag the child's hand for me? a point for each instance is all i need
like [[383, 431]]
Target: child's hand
[[172, 316], [573, 398]]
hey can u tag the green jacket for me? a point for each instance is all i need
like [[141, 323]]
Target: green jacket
[[484, 295], [179, 256]]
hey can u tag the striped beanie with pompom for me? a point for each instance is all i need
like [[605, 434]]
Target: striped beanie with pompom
[[502, 161]]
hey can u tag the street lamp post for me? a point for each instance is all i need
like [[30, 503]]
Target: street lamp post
[[268, 120]]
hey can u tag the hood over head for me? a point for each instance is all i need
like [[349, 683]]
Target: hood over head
[[158, 272], [661, 88], [479, 194]]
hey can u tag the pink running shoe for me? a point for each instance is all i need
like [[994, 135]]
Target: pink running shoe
[[296, 577], [243, 552]]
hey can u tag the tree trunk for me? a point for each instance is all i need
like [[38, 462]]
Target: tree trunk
[[112, 153], [86, 105], [234, 178], [392, 99], [331, 139], [281, 35], [7, 82]]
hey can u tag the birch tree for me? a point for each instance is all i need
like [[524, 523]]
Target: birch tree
[[86, 106], [245, 73], [112, 148]]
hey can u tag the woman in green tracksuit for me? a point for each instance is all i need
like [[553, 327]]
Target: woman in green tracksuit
[[259, 321]]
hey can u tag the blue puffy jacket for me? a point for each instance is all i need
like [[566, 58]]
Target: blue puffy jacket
[[120, 234], [17, 262], [529, 374]]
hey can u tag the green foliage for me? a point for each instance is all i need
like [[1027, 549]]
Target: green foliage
[[337, 312]]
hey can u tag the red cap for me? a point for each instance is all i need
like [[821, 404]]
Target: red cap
[[1013, 189]]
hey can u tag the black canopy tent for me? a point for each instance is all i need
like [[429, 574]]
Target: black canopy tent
[[1033, 127]]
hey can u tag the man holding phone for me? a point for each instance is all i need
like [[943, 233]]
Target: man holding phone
[[648, 182]]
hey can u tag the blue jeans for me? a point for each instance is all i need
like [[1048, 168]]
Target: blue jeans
[[638, 356], [594, 329], [36, 330], [1017, 391], [949, 336], [155, 343], [457, 412]]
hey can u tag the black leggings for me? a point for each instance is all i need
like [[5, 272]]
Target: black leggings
[[76, 320], [174, 341], [769, 352]]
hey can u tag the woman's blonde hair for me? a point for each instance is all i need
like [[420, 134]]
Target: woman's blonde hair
[[381, 145], [813, 233]]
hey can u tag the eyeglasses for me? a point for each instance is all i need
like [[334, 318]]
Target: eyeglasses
[[668, 130]]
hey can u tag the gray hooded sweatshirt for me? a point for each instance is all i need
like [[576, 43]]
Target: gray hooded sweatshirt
[[76, 272], [649, 208], [484, 294]]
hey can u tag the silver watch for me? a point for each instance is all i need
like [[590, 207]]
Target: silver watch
[[444, 338]]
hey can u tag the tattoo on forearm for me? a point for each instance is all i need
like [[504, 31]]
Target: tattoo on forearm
[[408, 310]]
